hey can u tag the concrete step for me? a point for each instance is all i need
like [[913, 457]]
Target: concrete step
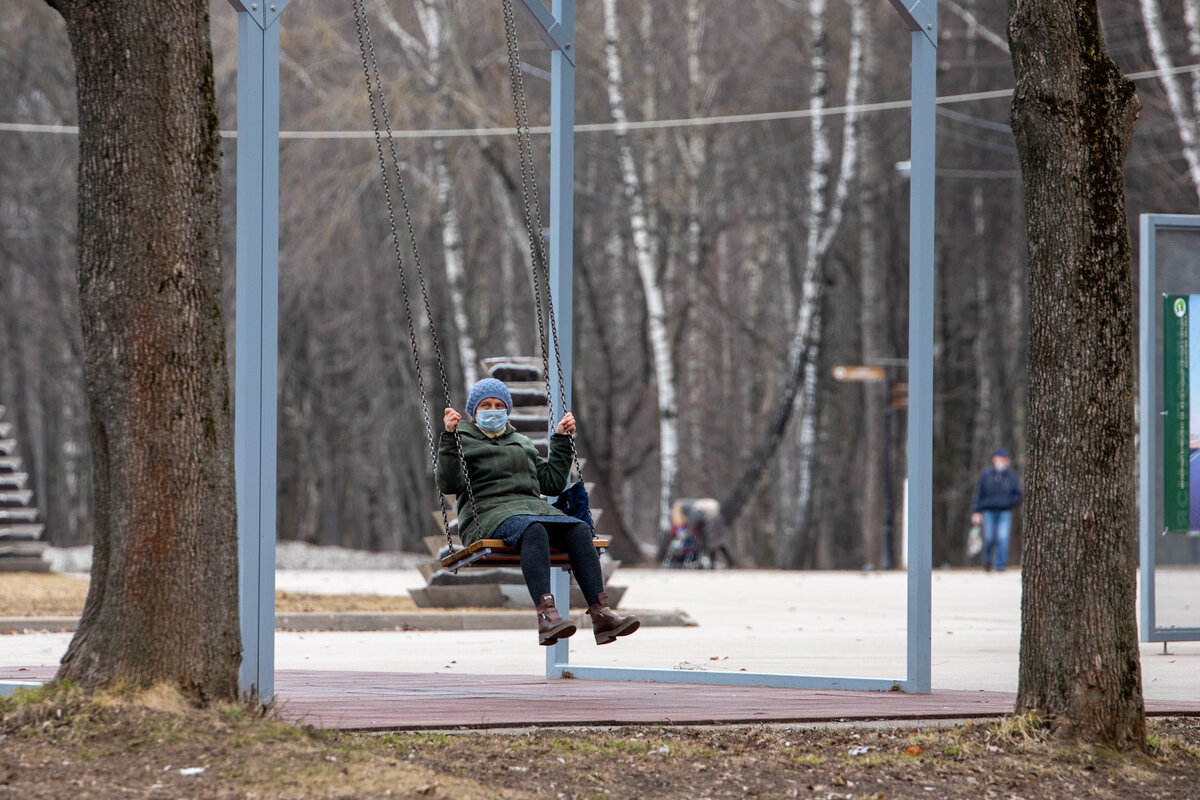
[[495, 595], [513, 369], [15, 498], [13, 480], [22, 549], [428, 620], [24, 564], [20, 531]]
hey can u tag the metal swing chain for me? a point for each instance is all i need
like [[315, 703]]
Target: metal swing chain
[[366, 46], [532, 210]]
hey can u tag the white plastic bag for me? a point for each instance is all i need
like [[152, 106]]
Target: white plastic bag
[[974, 541]]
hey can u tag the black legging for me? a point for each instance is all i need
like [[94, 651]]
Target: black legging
[[574, 539]]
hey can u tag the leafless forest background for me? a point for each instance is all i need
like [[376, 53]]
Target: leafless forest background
[[721, 270]]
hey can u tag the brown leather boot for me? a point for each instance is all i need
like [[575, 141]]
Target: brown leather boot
[[551, 626], [608, 624]]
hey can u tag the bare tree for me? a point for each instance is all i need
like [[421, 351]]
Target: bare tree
[[1186, 121], [162, 605], [824, 219], [656, 311], [1073, 114]]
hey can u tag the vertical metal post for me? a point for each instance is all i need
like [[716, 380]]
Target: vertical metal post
[[921, 18], [562, 197], [562, 216], [257, 336], [558, 654], [1148, 432]]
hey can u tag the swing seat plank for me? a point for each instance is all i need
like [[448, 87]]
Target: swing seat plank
[[494, 553]]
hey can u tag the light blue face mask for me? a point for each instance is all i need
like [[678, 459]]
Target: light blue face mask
[[491, 420]]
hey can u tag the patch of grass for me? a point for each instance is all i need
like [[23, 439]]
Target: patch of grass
[[428, 740], [116, 748], [1018, 729], [49, 703], [53, 595], [42, 595], [1118, 760], [872, 760], [231, 713]]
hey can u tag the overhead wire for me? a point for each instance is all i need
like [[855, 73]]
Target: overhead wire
[[604, 127]]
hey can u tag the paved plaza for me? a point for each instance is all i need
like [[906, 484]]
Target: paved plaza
[[846, 624]]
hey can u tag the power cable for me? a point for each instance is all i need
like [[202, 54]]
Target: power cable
[[605, 127]]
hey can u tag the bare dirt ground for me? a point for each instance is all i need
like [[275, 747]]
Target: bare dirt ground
[[58, 743], [29, 594]]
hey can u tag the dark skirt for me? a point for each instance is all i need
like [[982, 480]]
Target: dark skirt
[[513, 528]]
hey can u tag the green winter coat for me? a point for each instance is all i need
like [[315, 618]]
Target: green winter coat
[[508, 477]]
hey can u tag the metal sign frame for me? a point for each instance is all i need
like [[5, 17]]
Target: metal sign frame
[[1150, 412]]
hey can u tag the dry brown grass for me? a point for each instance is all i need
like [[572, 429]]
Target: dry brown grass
[[61, 743], [28, 594]]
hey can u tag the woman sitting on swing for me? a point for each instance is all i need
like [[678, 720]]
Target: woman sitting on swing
[[507, 480]]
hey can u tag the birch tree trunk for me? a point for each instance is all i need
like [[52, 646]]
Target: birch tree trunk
[[824, 219], [163, 601], [1072, 115], [1191, 16], [452, 245], [693, 153], [1185, 118], [656, 314]]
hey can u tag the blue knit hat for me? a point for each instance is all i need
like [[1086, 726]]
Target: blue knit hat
[[488, 387], [1001, 453]]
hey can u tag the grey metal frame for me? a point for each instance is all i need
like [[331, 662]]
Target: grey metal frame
[[257, 335], [256, 344], [1150, 490]]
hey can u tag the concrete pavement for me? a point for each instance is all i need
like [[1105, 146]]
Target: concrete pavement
[[846, 624]]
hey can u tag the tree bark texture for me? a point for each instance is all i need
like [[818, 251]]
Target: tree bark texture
[[163, 601], [1073, 114]]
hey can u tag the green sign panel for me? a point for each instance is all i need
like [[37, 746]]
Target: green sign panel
[[1176, 445]]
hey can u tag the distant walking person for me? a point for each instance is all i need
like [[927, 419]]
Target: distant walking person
[[996, 495]]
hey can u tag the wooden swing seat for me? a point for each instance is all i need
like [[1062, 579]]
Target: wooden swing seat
[[494, 553]]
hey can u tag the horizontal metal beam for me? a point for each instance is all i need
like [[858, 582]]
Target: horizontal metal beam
[[556, 35], [919, 15], [1174, 635], [8, 687], [263, 12], [769, 679]]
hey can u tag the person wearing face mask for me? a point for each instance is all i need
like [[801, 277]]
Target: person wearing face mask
[[507, 481]]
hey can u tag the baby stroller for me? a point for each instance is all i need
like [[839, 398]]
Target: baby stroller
[[683, 551], [698, 535]]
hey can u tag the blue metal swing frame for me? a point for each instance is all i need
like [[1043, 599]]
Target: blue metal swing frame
[[257, 339]]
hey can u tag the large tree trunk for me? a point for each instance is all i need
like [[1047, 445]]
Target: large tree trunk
[[1072, 115], [163, 601]]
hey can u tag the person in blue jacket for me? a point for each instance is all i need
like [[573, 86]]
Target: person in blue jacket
[[997, 493]]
